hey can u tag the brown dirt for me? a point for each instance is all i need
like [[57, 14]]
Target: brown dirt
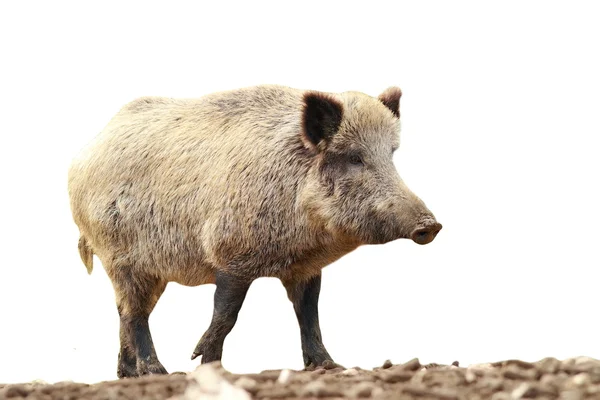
[[549, 378]]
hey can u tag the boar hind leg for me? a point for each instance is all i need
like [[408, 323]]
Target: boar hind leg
[[136, 295], [229, 297], [305, 297]]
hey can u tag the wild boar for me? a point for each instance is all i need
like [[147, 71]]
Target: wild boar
[[264, 181]]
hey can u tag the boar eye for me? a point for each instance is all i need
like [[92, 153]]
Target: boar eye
[[355, 159]]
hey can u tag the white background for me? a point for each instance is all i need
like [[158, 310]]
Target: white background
[[500, 138]]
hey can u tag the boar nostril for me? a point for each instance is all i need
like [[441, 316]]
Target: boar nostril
[[426, 234]]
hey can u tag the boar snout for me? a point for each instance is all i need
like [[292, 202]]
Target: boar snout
[[426, 232]]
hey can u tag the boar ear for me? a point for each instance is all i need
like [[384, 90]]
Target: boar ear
[[391, 99], [321, 118]]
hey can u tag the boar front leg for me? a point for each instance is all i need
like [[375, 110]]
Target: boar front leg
[[305, 297], [229, 297]]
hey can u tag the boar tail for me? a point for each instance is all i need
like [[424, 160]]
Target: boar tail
[[86, 253]]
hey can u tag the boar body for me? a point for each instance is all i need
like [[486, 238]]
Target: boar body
[[266, 181]]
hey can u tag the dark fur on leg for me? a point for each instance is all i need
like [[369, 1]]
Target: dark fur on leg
[[305, 298], [136, 297], [229, 297], [126, 366]]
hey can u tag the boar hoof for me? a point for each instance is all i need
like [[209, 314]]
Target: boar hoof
[[126, 367], [150, 368], [326, 364], [329, 364], [207, 352], [206, 357], [126, 371]]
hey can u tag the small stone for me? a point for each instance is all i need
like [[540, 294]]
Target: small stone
[[210, 384], [361, 390], [514, 372], [580, 364], [387, 364], [17, 391], [581, 379], [470, 376], [484, 366], [284, 376], [455, 364], [576, 381], [581, 360], [350, 372], [520, 391], [207, 377], [395, 376], [575, 369], [412, 365], [548, 365]]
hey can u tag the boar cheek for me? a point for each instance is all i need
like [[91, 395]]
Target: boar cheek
[[332, 170]]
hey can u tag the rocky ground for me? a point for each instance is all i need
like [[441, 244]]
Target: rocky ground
[[572, 379]]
